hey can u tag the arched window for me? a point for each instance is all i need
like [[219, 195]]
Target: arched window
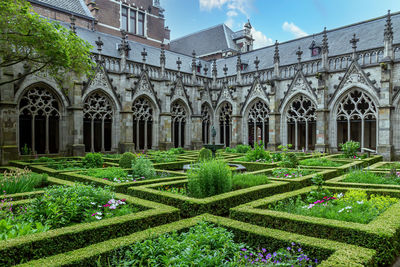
[[39, 116], [178, 117], [205, 123], [97, 123], [225, 124], [301, 123], [356, 119], [142, 123], [258, 123]]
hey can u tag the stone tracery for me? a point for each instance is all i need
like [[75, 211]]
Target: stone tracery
[[225, 123], [178, 119], [205, 122], [143, 119], [258, 119]]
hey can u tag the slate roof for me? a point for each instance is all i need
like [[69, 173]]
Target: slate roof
[[76, 7], [208, 41]]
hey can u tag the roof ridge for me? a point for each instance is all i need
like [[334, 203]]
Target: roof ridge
[[203, 30]]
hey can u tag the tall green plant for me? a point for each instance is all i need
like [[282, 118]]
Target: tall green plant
[[258, 153], [350, 149], [205, 154], [126, 160], [93, 160], [209, 178], [143, 167]]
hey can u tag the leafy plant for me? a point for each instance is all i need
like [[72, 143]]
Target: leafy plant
[[93, 160], [143, 167], [19, 181], [320, 162], [362, 176], [350, 149], [176, 150], [258, 154], [110, 173], [25, 150], [243, 148], [164, 156], [240, 181], [320, 192], [126, 160], [289, 160], [290, 172], [205, 154], [11, 228], [209, 178]]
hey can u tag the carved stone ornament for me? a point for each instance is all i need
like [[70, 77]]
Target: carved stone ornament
[[98, 106], [301, 109], [178, 112], [142, 110], [259, 112], [356, 105], [354, 77], [225, 114], [39, 101], [99, 80]]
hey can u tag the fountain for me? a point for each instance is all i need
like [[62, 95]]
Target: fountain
[[213, 147]]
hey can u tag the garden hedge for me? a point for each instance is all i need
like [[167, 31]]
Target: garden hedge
[[296, 183], [119, 187], [173, 166], [330, 252], [340, 169], [382, 166], [339, 181], [40, 245], [254, 166], [364, 162], [56, 173], [381, 234], [27, 163], [218, 204]]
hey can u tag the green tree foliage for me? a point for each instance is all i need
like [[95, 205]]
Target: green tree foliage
[[40, 44]]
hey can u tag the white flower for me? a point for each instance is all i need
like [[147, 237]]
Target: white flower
[[98, 217], [360, 202], [113, 207], [99, 213], [341, 210], [348, 207], [340, 195], [93, 203]]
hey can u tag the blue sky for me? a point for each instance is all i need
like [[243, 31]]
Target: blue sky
[[272, 20]]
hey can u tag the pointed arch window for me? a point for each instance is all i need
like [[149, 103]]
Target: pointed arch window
[[225, 124], [258, 123], [301, 119], [356, 115], [39, 117], [97, 123], [142, 123], [178, 117]]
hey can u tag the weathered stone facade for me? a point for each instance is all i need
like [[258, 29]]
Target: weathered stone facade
[[143, 97]]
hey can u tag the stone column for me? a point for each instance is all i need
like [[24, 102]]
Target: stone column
[[274, 123], [8, 120], [322, 114], [76, 146], [236, 130], [165, 131], [126, 142]]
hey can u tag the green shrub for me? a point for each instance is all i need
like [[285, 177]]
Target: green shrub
[[350, 149], [44, 159], [11, 229], [126, 160], [19, 181], [209, 178], [240, 181], [110, 173], [230, 150], [93, 160], [258, 154], [290, 173], [163, 156], [243, 148], [177, 150], [289, 160], [320, 162], [143, 167], [205, 154], [366, 177]]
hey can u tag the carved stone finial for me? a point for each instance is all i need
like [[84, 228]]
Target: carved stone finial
[[99, 44], [325, 47], [144, 55], [162, 54], [178, 63], [214, 68], [124, 46], [388, 34], [299, 53], [205, 70], [73, 27], [225, 69], [256, 62], [238, 62], [276, 53], [193, 60], [354, 42]]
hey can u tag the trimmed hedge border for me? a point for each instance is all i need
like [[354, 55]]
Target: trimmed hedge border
[[365, 162], [119, 187], [56, 173], [254, 166], [296, 183], [338, 182], [218, 204], [377, 166], [24, 163], [173, 166], [340, 169], [382, 234], [40, 245], [339, 254]]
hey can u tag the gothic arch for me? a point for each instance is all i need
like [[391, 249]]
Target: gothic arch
[[40, 111], [224, 117], [98, 121], [256, 118], [299, 122], [355, 117], [180, 124], [144, 122]]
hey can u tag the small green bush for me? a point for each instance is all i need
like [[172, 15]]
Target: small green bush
[[350, 149], [241, 181], [126, 160], [143, 167], [93, 160], [289, 160], [320, 162], [163, 156], [243, 148], [177, 150], [205, 154], [209, 178], [258, 154]]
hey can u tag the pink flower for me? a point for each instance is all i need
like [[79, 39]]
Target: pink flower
[[94, 214], [106, 205]]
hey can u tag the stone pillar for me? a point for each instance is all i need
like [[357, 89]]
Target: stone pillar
[[165, 131], [274, 123], [236, 130], [126, 142], [8, 120], [196, 132], [76, 146], [322, 114]]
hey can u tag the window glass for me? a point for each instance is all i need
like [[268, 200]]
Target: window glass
[[132, 22], [140, 23], [124, 18]]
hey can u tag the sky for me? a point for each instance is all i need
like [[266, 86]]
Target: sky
[[272, 20]]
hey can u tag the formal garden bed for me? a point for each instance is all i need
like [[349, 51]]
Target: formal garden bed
[[209, 240], [386, 166], [44, 160], [368, 218]]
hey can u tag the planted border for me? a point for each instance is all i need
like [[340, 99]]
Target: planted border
[[173, 166], [254, 166], [218, 204], [57, 173], [365, 162], [378, 166], [382, 234], [339, 182], [29, 162], [120, 187], [36, 246], [339, 254]]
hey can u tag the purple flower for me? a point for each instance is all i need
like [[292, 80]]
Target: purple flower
[[288, 248], [243, 249]]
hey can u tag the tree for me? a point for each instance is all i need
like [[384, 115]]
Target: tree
[[39, 44]]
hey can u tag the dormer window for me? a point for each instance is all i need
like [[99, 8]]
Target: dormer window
[[315, 50]]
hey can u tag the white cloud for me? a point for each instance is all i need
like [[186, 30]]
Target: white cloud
[[234, 7], [293, 29], [231, 13], [260, 39], [210, 4]]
